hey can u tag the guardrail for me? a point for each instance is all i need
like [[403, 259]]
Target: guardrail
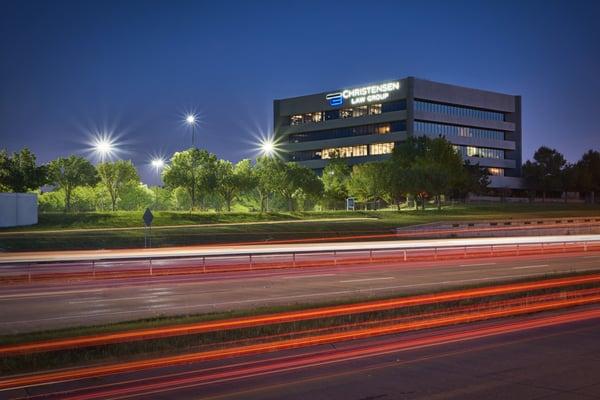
[[339, 254]]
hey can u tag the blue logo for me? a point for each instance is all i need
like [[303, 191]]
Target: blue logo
[[335, 99]]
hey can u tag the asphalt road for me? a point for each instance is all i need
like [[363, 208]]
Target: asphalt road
[[54, 305], [551, 361]]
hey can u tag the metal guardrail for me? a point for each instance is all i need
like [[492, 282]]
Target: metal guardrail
[[151, 265]]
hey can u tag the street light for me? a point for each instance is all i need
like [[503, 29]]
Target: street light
[[158, 164], [268, 147], [103, 146], [191, 119]]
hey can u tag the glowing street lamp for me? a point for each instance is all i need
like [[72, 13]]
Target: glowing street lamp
[[191, 120], [103, 146], [268, 147], [158, 164]]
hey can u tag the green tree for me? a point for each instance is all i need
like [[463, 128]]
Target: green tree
[[264, 173], [19, 172], [336, 175], [194, 170], [136, 196], [116, 177], [545, 172], [588, 168], [68, 173], [233, 179], [367, 182]]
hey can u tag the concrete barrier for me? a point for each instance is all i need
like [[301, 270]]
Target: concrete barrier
[[18, 209]]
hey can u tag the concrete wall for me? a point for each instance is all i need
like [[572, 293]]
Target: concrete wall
[[17, 209]]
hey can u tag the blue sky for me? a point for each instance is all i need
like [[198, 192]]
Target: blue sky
[[134, 68]]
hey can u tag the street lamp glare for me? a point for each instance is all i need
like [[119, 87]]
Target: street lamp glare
[[190, 119], [267, 147], [158, 163], [104, 147]]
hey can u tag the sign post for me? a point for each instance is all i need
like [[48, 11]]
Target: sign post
[[148, 217], [350, 204]]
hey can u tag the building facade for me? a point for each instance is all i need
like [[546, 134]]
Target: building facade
[[363, 124]]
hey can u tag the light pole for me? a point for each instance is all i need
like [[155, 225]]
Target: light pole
[[191, 120]]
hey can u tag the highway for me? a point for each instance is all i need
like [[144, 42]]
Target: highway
[[31, 307], [543, 356], [284, 248]]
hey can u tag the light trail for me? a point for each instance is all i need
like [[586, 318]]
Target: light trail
[[274, 249], [323, 312], [133, 366], [204, 377], [214, 264]]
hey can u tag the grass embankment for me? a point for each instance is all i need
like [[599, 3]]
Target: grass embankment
[[239, 227], [250, 335]]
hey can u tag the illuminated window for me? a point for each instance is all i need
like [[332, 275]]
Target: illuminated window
[[383, 129], [482, 152], [295, 119], [381, 148], [313, 117], [360, 111], [496, 171], [346, 113], [375, 109], [345, 152]]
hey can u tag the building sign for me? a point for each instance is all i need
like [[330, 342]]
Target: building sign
[[362, 95]]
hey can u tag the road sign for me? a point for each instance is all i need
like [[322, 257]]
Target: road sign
[[148, 217], [350, 204]]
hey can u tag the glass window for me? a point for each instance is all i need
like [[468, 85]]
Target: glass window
[[360, 111], [381, 148], [295, 119], [458, 111], [346, 113], [496, 171], [372, 129], [345, 152], [435, 129], [332, 114], [375, 109], [482, 152]]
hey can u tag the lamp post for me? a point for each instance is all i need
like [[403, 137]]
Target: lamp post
[[190, 119]]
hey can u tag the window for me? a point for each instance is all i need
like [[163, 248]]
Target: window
[[360, 111], [345, 152], [381, 148], [388, 127], [346, 113], [496, 171], [466, 112], [375, 109], [342, 113], [483, 152], [296, 119], [430, 128]]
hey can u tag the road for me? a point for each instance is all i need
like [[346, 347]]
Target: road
[[286, 248], [545, 356], [54, 305]]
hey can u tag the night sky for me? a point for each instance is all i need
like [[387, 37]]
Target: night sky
[[134, 68]]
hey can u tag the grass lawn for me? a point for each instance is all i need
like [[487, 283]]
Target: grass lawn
[[241, 229]]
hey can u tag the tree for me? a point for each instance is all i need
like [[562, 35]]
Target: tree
[[19, 172], [194, 170], [289, 178], [545, 172], [68, 173], [336, 175], [422, 166], [232, 180], [475, 179], [367, 182], [264, 179], [589, 173], [116, 176]]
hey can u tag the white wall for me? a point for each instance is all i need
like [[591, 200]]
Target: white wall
[[18, 209]]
